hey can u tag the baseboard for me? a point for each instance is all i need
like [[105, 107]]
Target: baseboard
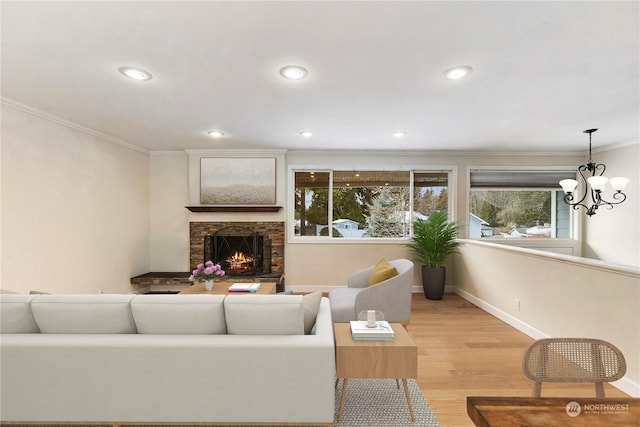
[[625, 384], [500, 314]]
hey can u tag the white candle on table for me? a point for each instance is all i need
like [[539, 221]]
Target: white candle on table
[[371, 318]]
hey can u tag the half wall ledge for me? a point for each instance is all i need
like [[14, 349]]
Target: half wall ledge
[[234, 208]]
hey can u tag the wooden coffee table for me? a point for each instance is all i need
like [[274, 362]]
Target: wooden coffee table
[[375, 359], [222, 288], [554, 411]]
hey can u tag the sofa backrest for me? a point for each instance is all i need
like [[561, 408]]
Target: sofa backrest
[[179, 314], [15, 314], [264, 314], [83, 314], [158, 314]]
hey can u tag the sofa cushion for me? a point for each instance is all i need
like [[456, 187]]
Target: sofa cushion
[[15, 314], [179, 314], [264, 314], [83, 314], [381, 272], [311, 305]]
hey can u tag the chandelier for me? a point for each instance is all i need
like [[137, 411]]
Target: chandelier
[[594, 186]]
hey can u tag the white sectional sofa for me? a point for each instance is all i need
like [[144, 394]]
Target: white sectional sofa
[[165, 359]]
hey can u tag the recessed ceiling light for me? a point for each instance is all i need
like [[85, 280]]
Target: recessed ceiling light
[[399, 134], [306, 134], [215, 134], [135, 73], [293, 72], [456, 73]]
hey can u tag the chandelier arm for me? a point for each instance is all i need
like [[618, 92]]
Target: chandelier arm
[[616, 196], [604, 203], [568, 198], [577, 206]]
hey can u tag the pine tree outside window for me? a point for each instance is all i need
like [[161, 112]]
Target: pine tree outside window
[[365, 204]]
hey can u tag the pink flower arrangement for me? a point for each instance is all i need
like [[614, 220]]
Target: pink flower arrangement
[[206, 271]]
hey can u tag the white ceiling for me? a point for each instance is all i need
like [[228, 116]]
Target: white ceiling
[[544, 71]]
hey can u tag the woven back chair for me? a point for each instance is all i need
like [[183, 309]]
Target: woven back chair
[[573, 360]]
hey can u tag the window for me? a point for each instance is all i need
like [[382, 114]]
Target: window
[[518, 204], [311, 203], [430, 192], [365, 204]]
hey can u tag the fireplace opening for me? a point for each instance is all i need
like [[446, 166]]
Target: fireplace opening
[[239, 250]]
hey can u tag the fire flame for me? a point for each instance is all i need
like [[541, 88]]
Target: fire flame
[[239, 261]]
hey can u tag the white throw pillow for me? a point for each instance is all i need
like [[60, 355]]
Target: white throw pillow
[[311, 304]]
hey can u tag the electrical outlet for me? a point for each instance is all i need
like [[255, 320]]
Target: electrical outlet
[[516, 304], [101, 291]]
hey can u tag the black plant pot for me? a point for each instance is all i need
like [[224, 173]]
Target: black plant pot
[[433, 282]]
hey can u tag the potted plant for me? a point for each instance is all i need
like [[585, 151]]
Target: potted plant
[[433, 240]]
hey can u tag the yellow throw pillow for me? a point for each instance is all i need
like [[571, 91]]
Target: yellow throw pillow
[[381, 272]]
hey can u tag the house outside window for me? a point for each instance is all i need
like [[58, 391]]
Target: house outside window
[[518, 204], [365, 204]]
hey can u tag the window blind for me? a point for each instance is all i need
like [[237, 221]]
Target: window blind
[[518, 179]]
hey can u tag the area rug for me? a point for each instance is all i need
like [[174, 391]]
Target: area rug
[[368, 403], [379, 403]]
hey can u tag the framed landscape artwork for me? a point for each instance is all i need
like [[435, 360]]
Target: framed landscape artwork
[[237, 181]]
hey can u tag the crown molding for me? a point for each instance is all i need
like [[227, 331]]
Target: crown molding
[[160, 153], [238, 152], [71, 125], [614, 146], [443, 153]]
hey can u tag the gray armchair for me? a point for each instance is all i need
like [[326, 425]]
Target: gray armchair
[[391, 296]]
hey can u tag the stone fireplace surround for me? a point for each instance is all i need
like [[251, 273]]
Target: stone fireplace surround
[[170, 282], [274, 230]]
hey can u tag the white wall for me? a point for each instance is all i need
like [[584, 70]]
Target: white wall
[[168, 218], [74, 208], [614, 235], [559, 296], [325, 266]]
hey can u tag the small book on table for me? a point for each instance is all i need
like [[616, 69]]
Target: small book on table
[[244, 287], [381, 332]]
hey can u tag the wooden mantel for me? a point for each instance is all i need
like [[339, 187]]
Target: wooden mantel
[[234, 208]]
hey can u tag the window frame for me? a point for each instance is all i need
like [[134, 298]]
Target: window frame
[[575, 223], [452, 176]]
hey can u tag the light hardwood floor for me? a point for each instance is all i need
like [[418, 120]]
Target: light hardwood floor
[[464, 351]]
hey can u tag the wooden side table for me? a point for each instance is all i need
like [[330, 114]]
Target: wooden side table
[[375, 359]]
